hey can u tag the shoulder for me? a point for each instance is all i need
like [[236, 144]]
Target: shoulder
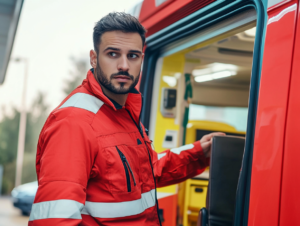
[[80, 105]]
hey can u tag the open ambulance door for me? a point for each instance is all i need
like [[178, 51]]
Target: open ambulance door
[[219, 54]]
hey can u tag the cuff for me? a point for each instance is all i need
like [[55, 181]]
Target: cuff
[[202, 157]]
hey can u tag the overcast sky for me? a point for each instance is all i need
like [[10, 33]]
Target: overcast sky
[[49, 33]]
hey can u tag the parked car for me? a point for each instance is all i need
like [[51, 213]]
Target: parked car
[[23, 196]]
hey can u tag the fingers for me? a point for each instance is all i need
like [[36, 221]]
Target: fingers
[[206, 141], [206, 147], [208, 137]]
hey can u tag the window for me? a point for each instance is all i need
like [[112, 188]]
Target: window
[[234, 116]]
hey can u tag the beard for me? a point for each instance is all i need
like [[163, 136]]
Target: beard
[[102, 78]]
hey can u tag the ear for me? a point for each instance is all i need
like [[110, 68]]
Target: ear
[[93, 58], [143, 55]]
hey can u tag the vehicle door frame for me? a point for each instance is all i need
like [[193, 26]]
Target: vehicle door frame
[[203, 18]]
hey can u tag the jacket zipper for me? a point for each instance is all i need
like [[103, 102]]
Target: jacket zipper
[[141, 132], [126, 167]]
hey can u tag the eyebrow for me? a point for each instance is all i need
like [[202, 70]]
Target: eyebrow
[[116, 49]]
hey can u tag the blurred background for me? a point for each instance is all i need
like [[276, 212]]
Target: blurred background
[[201, 82], [49, 42]]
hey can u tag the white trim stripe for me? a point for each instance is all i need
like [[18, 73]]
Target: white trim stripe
[[161, 195], [63, 208], [84, 101], [182, 148], [176, 150], [120, 209], [159, 156], [282, 13]]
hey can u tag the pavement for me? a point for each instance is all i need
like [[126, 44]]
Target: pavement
[[9, 215]]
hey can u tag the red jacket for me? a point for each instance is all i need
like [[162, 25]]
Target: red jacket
[[95, 164]]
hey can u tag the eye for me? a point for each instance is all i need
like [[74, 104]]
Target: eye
[[112, 54], [133, 55]]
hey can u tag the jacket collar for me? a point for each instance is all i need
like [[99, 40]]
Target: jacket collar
[[133, 103]]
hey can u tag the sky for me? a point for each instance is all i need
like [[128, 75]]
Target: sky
[[48, 34]]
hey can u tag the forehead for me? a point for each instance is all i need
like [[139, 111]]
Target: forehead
[[121, 40]]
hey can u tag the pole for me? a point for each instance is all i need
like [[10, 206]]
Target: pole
[[1, 177], [22, 129]]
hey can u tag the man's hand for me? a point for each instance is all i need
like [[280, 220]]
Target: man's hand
[[206, 141]]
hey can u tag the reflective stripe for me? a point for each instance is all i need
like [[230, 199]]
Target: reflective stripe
[[159, 156], [282, 13], [182, 148], [63, 208], [120, 209], [84, 101], [161, 195], [176, 150]]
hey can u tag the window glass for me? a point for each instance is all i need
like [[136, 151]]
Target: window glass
[[234, 116]]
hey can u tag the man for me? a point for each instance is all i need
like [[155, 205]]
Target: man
[[95, 164]]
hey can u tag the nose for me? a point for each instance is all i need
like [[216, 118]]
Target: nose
[[123, 64]]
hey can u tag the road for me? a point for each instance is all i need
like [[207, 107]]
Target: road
[[9, 215]]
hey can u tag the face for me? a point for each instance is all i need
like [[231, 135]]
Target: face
[[119, 61]]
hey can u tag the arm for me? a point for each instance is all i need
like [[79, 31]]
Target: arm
[[64, 163], [178, 164]]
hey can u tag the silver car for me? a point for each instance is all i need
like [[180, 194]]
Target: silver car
[[23, 196]]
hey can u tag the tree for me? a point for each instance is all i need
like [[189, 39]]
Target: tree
[[36, 117], [9, 128], [78, 73]]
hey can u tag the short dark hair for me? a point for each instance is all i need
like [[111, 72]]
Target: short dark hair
[[117, 21]]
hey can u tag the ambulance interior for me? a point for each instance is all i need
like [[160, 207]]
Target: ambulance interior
[[212, 80]]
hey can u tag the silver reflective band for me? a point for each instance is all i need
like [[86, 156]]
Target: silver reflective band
[[282, 13], [120, 209], [159, 156], [182, 148], [84, 101], [63, 208]]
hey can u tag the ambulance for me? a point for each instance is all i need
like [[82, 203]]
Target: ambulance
[[231, 66]]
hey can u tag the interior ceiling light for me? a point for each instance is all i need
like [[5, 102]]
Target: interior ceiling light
[[177, 75], [251, 32], [216, 75], [215, 67], [170, 80], [203, 78]]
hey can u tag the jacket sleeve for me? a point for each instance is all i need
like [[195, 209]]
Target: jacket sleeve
[[178, 164], [64, 163]]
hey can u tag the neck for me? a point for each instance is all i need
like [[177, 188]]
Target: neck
[[119, 98]]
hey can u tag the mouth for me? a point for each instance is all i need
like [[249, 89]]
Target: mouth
[[122, 78]]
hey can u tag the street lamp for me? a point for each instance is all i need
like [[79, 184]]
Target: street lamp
[[22, 125]]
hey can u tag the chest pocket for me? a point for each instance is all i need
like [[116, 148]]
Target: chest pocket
[[122, 169]]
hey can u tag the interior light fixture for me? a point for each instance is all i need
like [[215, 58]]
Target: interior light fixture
[[214, 67], [170, 80], [223, 74], [251, 32], [203, 78], [216, 75], [177, 75]]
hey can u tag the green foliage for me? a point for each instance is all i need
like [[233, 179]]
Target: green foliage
[[36, 117], [9, 128], [77, 74]]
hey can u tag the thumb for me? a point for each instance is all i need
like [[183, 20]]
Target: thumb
[[206, 146]]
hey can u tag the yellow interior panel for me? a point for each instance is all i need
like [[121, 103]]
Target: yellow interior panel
[[193, 201], [171, 65], [197, 198]]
